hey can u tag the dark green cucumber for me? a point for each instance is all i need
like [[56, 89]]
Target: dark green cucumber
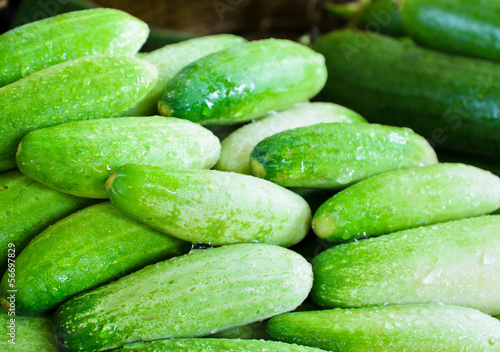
[[91, 87], [61, 156], [335, 155], [404, 199], [462, 27], [455, 262], [26, 209], [84, 250], [208, 206], [68, 36], [453, 101], [205, 291], [244, 82], [414, 327]]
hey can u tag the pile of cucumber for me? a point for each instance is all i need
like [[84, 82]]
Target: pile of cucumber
[[194, 199]]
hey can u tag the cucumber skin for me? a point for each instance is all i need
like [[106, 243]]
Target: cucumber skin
[[244, 82], [90, 87], [91, 247], [188, 296], [404, 199], [422, 327], [384, 16], [210, 207], [450, 100], [451, 263], [236, 147], [456, 26], [38, 45], [27, 208], [336, 155], [62, 158], [170, 59]]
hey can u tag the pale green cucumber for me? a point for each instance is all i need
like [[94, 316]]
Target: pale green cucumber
[[90, 87], [336, 155], [26, 209], [208, 206], [38, 45], [236, 148], [78, 157], [205, 291], [414, 327], [170, 59], [403, 199], [26, 334], [455, 262], [87, 249]]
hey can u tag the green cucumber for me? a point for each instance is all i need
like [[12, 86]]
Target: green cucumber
[[336, 155], [453, 101], [236, 147], [38, 45], [78, 157], [215, 345], [26, 209], [404, 199], [455, 262], [170, 59], [26, 334], [90, 87], [414, 327], [484, 163], [255, 331], [205, 291], [87, 249], [244, 82], [208, 206], [456, 26]]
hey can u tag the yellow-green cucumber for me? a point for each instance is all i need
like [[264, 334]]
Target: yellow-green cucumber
[[38, 45], [78, 157], [209, 206], [205, 291]]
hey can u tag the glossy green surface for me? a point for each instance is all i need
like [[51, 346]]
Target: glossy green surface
[[404, 199], [383, 16], [193, 295], [335, 155], [211, 207], [84, 250], [244, 82], [78, 157], [27, 208], [414, 327], [90, 87], [453, 262], [38, 45], [236, 148], [462, 27], [451, 100]]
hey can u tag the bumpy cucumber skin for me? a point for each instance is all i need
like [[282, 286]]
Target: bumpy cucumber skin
[[188, 296], [450, 100], [236, 147], [414, 327], [32, 334], [244, 82], [90, 87], [452, 262], [335, 155], [170, 59], [215, 345], [87, 249], [38, 45], [27, 208], [404, 199], [208, 206], [456, 26], [78, 157]]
